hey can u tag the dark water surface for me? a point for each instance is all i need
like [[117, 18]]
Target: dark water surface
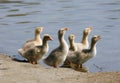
[[18, 19]]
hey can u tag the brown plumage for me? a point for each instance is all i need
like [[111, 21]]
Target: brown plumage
[[59, 54], [33, 42], [35, 53], [72, 49], [77, 58]]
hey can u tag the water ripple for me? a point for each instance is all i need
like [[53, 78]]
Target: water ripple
[[2, 7], [6, 1], [24, 22], [115, 10], [111, 3], [13, 10], [16, 15]]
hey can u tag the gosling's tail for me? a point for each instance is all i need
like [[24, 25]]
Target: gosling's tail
[[21, 51]]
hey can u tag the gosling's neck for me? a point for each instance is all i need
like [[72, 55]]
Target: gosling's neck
[[93, 46], [72, 45], [85, 40], [44, 42], [61, 40], [37, 37], [63, 43]]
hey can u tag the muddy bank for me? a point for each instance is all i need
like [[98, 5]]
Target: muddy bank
[[23, 72]]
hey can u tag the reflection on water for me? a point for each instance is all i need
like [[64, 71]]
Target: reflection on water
[[18, 18]]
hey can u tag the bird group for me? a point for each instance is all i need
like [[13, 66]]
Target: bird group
[[73, 55]]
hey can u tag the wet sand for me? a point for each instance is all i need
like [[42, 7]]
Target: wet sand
[[22, 72]]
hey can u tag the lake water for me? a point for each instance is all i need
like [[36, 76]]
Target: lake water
[[18, 19]]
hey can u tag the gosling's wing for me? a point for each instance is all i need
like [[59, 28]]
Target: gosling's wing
[[38, 49], [28, 45], [54, 55], [73, 57], [83, 56]]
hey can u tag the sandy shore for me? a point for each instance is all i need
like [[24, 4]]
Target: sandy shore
[[21, 72]]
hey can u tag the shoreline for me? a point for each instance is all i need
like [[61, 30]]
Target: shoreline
[[22, 72]]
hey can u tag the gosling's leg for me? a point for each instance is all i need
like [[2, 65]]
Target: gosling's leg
[[55, 65], [81, 66]]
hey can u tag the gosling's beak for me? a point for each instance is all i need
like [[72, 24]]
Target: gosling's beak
[[99, 37], [90, 28], [65, 29], [74, 35], [41, 28], [51, 38]]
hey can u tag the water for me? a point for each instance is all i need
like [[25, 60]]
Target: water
[[18, 19]]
